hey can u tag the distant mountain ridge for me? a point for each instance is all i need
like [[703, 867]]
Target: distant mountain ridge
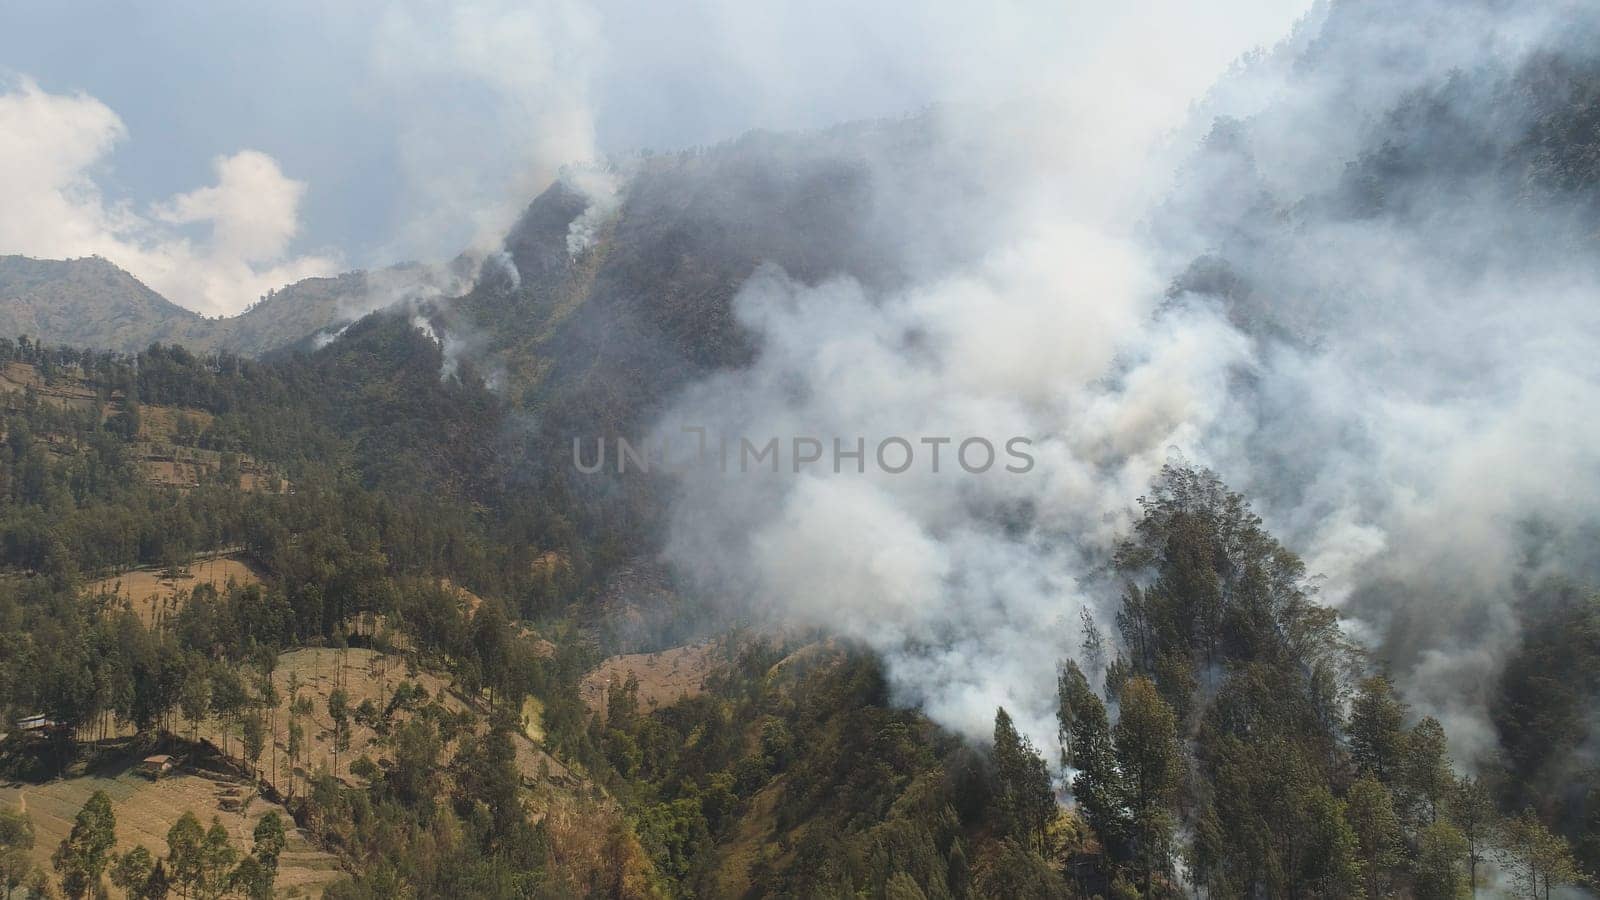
[[91, 302]]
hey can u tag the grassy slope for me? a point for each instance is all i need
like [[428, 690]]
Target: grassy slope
[[146, 809]]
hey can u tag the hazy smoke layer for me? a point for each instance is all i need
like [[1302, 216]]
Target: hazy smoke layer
[[1374, 331], [498, 99]]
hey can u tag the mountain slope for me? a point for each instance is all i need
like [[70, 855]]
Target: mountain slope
[[592, 338], [90, 302]]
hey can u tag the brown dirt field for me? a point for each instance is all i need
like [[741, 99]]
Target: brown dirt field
[[366, 675], [664, 677], [15, 376], [146, 809], [161, 461], [257, 483], [587, 830], [154, 598], [187, 467], [159, 424], [66, 393], [173, 472]]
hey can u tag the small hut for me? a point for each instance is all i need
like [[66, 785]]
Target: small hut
[[153, 767]]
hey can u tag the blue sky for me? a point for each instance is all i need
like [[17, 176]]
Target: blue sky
[[413, 129]]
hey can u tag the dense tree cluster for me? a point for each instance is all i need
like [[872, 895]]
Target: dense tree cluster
[[1245, 716]]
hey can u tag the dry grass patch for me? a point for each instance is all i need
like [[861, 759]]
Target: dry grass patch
[[365, 675], [154, 598], [664, 677], [174, 471], [594, 853], [66, 392], [754, 839], [188, 467], [468, 600], [146, 809], [159, 424]]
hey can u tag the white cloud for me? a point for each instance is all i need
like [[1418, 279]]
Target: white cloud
[[252, 207], [214, 249]]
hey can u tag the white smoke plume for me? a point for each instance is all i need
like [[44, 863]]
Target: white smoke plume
[[407, 286], [325, 337], [971, 586], [499, 99], [601, 187], [1412, 391], [500, 261], [452, 347]]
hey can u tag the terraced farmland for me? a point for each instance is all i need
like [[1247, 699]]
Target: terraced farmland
[[146, 809]]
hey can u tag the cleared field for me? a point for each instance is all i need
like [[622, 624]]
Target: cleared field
[[664, 677], [154, 598], [16, 376], [161, 448], [160, 423], [146, 809], [66, 393], [174, 471], [365, 675], [258, 482], [187, 467]]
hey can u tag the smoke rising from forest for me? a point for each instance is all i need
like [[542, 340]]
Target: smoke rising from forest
[[1335, 297]]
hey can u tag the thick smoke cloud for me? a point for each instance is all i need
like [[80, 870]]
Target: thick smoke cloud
[[497, 99], [214, 249], [1398, 379], [970, 585]]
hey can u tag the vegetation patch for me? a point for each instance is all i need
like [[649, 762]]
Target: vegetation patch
[[156, 594]]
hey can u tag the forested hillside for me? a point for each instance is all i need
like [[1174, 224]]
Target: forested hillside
[[1252, 751], [298, 606]]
